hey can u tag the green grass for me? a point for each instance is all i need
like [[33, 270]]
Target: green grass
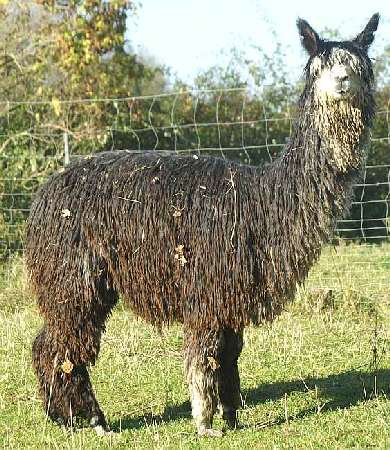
[[318, 377]]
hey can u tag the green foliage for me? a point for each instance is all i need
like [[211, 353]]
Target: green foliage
[[49, 52], [52, 56]]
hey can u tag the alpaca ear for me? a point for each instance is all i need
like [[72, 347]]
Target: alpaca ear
[[366, 37], [309, 38]]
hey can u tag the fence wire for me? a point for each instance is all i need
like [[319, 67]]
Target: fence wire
[[251, 127]]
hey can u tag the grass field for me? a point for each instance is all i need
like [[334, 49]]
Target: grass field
[[319, 377]]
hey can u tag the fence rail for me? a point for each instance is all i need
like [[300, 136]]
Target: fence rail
[[231, 123]]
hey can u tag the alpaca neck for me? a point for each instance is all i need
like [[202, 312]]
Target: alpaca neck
[[334, 130], [305, 191], [312, 181], [329, 136]]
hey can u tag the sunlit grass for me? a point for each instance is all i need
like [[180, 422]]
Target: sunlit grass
[[318, 377]]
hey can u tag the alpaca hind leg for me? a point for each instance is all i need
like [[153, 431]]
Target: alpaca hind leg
[[64, 381], [229, 381], [61, 354], [202, 373]]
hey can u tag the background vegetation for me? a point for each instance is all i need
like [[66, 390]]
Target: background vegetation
[[53, 54]]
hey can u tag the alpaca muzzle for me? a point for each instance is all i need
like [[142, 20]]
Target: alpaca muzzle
[[343, 86]]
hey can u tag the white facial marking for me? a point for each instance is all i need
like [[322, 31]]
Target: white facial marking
[[329, 83], [315, 66], [339, 54], [340, 76]]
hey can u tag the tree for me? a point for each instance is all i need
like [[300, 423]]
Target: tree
[[52, 53]]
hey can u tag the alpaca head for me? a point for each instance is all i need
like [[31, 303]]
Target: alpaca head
[[339, 70], [339, 91]]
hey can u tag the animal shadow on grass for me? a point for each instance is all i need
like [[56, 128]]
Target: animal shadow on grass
[[171, 413], [338, 391]]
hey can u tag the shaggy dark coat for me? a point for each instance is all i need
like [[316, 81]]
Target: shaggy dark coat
[[207, 242]]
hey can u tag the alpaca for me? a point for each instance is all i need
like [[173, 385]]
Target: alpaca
[[210, 243]]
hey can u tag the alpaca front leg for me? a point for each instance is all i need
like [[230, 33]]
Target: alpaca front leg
[[202, 372], [203, 400], [229, 383]]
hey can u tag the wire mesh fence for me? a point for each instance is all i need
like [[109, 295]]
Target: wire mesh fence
[[41, 137]]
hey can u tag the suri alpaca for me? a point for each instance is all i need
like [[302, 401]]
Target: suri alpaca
[[210, 243]]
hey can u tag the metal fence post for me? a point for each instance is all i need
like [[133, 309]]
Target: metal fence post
[[66, 148]]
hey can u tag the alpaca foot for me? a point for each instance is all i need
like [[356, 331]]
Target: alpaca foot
[[103, 431], [230, 418], [99, 424], [209, 432], [61, 421], [231, 427]]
